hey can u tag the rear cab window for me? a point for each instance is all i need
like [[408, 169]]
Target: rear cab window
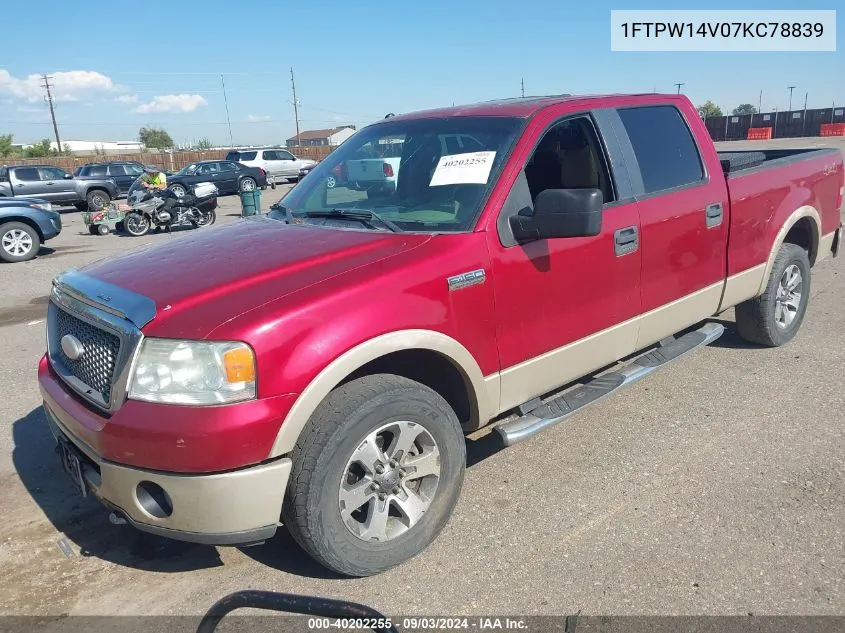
[[27, 174], [664, 147]]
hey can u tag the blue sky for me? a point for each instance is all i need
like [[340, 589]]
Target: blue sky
[[353, 63]]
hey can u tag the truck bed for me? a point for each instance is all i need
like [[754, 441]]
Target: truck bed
[[742, 160]]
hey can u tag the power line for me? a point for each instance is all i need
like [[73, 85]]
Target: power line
[[226, 101], [49, 100], [295, 105]]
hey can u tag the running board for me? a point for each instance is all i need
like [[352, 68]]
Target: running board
[[561, 407]]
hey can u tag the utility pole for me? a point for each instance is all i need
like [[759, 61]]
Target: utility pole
[[295, 105], [522, 84], [760, 103], [790, 88], [226, 101], [49, 100], [679, 87]]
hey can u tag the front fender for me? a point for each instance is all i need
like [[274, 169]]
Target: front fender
[[482, 394]]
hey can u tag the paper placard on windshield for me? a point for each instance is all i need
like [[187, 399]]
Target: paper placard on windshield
[[460, 169]]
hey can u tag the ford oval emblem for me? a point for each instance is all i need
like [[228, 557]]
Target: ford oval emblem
[[72, 347]]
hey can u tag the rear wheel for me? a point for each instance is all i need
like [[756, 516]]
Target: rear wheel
[[19, 242], [136, 224], [206, 217], [774, 317], [247, 184], [376, 474], [178, 190]]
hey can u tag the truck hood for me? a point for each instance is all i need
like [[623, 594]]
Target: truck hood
[[201, 280]]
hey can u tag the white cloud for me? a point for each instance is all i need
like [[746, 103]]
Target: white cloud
[[66, 86], [254, 118], [127, 99], [172, 103]]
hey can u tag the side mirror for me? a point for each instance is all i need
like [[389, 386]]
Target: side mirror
[[560, 213], [68, 176]]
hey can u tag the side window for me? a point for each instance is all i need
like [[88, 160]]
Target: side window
[[227, 166], [134, 170], [664, 147], [208, 168], [269, 155], [27, 174], [117, 170], [282, 155], [569, 156], [246, 156], [98, 171], [51, 173]]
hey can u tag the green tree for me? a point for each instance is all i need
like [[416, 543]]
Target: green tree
[[204, 143], [155, 137], [6, 148], [66, 150], [40, 149], [709, 110], [744, 108]]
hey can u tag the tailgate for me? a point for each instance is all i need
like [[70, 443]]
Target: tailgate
[[366, 170]]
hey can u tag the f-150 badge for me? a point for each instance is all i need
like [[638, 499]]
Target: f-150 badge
[[467, 279]]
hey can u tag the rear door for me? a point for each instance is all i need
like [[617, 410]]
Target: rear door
[[289, 164], [117, 172], [26, 182], [682, 208], [228, 175]]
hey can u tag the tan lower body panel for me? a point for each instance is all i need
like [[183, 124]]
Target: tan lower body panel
[[540, 375], [236, 501], [742, 286]]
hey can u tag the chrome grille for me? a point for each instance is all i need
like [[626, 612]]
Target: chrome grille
[[95, 368]]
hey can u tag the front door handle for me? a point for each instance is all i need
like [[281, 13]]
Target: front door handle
[[713, 214], [626, 240]]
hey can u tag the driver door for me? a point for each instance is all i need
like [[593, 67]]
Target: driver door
[[562, 304]]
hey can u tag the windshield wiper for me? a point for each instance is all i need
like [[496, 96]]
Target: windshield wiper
[[359, 215]]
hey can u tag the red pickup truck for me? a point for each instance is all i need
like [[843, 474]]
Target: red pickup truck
[[318, 366]]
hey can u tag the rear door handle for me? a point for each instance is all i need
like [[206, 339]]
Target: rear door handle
[[713, 214], [626, 240]]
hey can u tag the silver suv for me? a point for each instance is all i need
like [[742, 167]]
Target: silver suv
[[279, 164]]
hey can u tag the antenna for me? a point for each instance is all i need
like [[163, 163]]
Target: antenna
[[679, 87], [295, 105], [49, 99]]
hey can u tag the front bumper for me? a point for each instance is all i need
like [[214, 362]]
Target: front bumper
[[237, 507]]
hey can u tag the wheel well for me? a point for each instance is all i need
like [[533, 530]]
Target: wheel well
[[23, 220], [803, 234], [429, 368], [93, 189]]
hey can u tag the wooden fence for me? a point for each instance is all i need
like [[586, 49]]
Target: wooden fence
[[165, 160]]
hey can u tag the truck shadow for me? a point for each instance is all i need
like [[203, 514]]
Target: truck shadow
[[731, 338], [85, 522]]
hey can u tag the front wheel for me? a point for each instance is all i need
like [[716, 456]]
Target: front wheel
[[376, 474], [136, 224], [773, 318], [19, 242]]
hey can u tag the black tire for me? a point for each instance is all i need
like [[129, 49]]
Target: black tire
[[178, 189], [102, 229], [92, 229], [81, 206], [119, 227], [243, 186], [756, 319], [97, 199], [350, 413], [11, 247], [136, 224], [207, 218]]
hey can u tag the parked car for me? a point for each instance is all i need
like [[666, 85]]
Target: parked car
[[279, 164], [123, 173], [56, 186], [227, 176], [323, 361], [25, 224]]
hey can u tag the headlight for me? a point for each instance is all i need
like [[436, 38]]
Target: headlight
[[193, 372], [46, 206]]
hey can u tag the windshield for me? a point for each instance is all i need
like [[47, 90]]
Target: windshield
[[429, 175], [188, 169]]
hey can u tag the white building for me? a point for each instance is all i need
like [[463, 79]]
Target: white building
[[108, 147]]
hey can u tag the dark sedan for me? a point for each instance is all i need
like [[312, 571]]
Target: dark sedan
[[228, 176]]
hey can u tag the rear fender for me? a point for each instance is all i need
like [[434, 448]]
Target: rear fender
[[791, 219]]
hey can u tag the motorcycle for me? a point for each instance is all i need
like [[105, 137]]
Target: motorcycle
[[163, 209]]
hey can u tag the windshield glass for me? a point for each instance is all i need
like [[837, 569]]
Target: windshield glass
[[188, 169], [429, 175]]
